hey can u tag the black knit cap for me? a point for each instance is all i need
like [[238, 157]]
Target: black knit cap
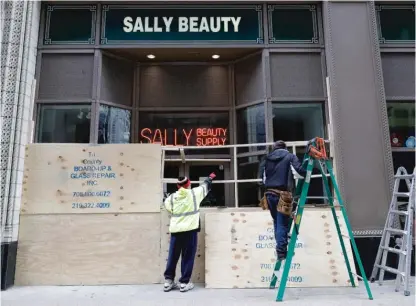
[[280, 144]]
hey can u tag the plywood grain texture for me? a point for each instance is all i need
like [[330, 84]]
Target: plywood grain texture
[[128, 178], [240, 251], [88, 249]]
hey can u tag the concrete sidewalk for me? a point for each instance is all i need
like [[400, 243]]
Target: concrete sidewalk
[[152, 295]]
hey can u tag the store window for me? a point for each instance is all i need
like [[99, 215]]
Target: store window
[[396, 23], [58, 17], [402, 136], [64, 123], [251, 127], [249, 193], [297, 122], [293, 24], [186, 129], [114, 125], [402, 124]]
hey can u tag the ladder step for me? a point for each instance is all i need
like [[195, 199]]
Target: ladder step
[[393, 250], [399, 212], [397, 231], [402, 194], [404, 176], [359, 277], [391, 270]]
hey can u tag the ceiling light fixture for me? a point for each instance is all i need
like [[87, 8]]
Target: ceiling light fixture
[[215, 56], [151, 56]]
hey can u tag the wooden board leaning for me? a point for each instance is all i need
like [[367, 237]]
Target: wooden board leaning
[[240, 251]]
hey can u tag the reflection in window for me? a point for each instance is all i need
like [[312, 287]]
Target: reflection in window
[[402, 124], [114, 125], [187, 129], [64, 123], [397, 23], [251, 127], [297, 122]]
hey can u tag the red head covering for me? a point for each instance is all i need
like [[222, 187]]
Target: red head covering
[[183, 182]]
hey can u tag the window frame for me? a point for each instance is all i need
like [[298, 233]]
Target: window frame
[[403, 148], [322, 104], [382, 40], [39, 117], [315, 39]]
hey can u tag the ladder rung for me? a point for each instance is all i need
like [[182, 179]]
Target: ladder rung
[[397, 231], [393, 250], [346, 236], [359, 277], [404, 176], [402, 194], [391, 270], [399, 212]]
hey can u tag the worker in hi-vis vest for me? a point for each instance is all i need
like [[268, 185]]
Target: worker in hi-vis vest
[[183, 206]]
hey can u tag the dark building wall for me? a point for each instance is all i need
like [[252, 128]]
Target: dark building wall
[[399, 75], [296, 75], [66, 76], [117, 77], [249, 80], [184, 85]]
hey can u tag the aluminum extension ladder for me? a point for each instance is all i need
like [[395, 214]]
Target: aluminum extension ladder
[[302, 188], [405, 242]]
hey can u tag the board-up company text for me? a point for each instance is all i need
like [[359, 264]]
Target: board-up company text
[[91, 171]]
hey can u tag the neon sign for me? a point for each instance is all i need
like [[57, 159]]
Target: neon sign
[[185, 137]]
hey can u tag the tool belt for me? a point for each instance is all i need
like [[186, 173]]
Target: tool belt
[[285, 203]]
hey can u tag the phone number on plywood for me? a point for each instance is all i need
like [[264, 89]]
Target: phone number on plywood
[[91, 205]]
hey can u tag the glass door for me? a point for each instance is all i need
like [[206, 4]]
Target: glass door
[[172, 170], [218, 195]]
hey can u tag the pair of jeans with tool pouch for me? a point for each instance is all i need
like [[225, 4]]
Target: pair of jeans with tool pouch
[[280, 205]]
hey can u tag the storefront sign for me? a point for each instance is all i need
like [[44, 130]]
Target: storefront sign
[[185, 137], [131, 24]]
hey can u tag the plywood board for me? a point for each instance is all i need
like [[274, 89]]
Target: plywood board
[[75, 178], [240, 251], [92, 249], [198, 274]]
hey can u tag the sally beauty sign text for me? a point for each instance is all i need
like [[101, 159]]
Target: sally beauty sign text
[[133, 24]]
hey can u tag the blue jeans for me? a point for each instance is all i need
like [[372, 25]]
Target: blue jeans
[[281, 224], [184, 245]]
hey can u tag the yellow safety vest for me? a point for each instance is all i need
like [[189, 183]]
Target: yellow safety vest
[[183, 205]]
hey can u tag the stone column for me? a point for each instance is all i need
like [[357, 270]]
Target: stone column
[[361, 132], [19, 37]]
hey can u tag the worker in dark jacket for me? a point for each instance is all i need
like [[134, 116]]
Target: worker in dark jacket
[[276, 173]]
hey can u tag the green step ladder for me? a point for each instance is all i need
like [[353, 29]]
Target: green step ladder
[[316, 155]]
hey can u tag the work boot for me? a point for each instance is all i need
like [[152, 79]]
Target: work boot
[[281, 256], [186, 287], [169, 285]]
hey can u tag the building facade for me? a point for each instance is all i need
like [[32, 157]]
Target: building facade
[[203, 74]]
